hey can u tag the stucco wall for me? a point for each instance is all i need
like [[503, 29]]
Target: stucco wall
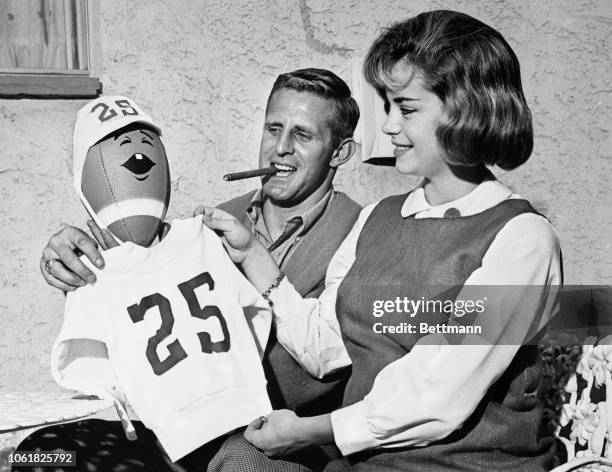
[[204, 73]]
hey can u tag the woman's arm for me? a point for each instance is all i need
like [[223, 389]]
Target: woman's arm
[[283, 432], [307, 328]]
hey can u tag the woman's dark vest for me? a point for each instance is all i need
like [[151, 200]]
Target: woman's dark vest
[[409, 257]]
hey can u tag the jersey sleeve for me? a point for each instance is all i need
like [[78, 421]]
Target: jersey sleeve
[[79, 358]]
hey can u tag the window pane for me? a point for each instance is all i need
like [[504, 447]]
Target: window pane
[[43, 35]]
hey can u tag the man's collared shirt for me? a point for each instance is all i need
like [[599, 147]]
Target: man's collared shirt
[[294, 228]]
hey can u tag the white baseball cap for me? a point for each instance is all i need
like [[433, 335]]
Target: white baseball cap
[[96, 120]]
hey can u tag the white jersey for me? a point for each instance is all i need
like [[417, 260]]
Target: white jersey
[[178, 330]]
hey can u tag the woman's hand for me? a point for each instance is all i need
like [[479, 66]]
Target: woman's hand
[[242, 247], [277, 434], [282, 432], [236, 238]]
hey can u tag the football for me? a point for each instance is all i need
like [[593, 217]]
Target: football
[[126, 182], [120, 168]]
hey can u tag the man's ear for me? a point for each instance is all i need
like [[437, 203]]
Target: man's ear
[[344, 151]]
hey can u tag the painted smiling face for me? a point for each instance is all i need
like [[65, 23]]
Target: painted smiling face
[[126, 182]]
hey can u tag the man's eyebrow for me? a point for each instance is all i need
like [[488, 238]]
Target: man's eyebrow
[[305, 129], [301, 128], [146, 134]]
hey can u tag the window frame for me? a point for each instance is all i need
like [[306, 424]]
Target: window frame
[[58, 83]]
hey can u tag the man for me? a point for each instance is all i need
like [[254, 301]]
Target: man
[[307, 135]]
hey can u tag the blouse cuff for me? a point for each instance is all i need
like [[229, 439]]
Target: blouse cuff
[[283, 295], [351, 429]]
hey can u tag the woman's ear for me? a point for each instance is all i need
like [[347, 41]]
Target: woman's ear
[[344, 151]]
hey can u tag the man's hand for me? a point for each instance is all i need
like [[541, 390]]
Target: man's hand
[[278, 434], [236, 238], [60, 264]]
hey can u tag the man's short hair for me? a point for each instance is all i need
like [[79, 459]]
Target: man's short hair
[[325, 84], [476, 75]]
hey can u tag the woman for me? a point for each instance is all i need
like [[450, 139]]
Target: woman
[[419, 399]]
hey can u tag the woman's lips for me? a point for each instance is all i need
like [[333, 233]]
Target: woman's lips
[[401, 149]]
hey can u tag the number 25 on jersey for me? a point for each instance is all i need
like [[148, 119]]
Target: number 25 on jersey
[[176, 352]]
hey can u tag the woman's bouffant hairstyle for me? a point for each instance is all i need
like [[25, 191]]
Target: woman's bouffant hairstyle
[[325, 84], [475, 73]]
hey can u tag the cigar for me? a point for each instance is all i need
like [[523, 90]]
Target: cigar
[[250, 173]]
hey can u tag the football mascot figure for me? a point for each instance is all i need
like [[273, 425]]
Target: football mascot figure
[[174, 328], [120, 169]]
